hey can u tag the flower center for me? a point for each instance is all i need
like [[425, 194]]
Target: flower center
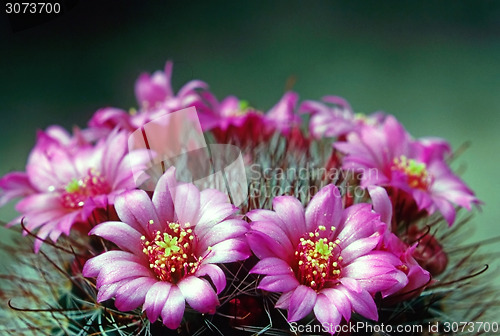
[[243, 108], [318, 260], [171, 253], [77, 192], [416, 172]]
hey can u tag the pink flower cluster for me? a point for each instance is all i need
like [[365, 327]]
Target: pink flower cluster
[[325, 257]]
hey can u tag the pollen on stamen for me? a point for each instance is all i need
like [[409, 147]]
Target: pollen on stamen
[[170, 259], [317, 260]]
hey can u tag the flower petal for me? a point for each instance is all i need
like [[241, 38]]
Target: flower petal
[[228, 251], [173, 310], [362, 303], [279, 283], [326, 313], [272, 266], [291, 212], [222, 232], [214, 207], [186, 203], [156, 299], [135, 208], [162, 197], [359, 221], [132, 294], [275, 233], [94, 265], [360, 247], [301, 303], [123, 235], [324, 209], [381, 203], [199, 294], [265, 247], [216, 275], [121, 270], [339, 300], [284, 300]]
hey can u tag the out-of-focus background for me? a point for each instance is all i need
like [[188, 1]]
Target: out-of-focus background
[[435, 65]]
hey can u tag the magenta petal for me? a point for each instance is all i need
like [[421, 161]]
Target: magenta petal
[[351, 284], [13, 185], [205, 229], [265, 247], [42, 234], [360, 247], [446, 209], [362, 303], [388, 283], [266, 216], [214, 207], [136, 209], [359, 221], [284, 300], [371, 265], [381, 203], [173, 310], [191, 86], [93, 266], [150, 90], [222, 232], [186, 203], [228, 251], [282, 114], [216, 275], [339, 300], [133, 293], [67, 221], [275, 233], [39, 202], [279, 283], [123, 235], [107, 291], [121, 270], [291, 212], [272, 266], [301, 303], [326, 313], [162, 198], [324, 209], [199, 294], [156, 298]]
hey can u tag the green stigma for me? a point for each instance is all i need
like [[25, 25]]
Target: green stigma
[[322, 248], [73, 186], [416, 168], [169, 244], [243, 105]]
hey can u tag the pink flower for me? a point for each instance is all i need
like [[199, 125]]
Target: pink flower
[[387, 156], [64, 183], [155, 91], [156, 98], [418, 277], [336, 120], [323, 259], [236, 119], [168, 244]]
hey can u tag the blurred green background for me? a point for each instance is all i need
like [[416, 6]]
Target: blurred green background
[[435, 65]]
